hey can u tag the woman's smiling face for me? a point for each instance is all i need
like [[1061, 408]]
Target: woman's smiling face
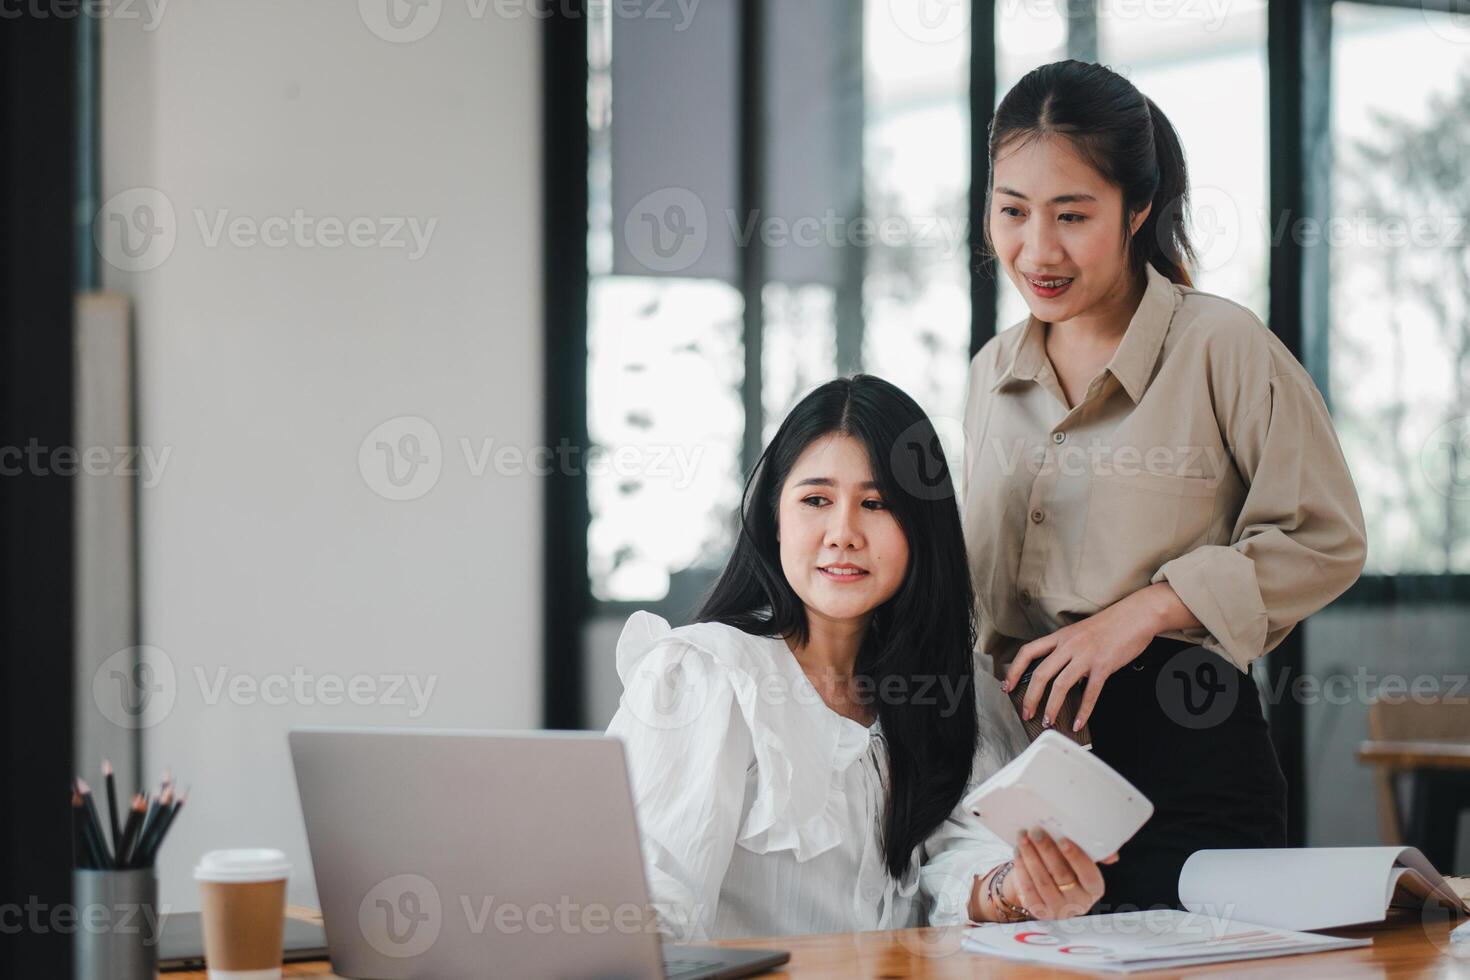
[[842, 550], [1057, 228]]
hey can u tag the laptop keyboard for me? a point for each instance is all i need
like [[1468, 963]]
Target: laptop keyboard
[[686, 969]]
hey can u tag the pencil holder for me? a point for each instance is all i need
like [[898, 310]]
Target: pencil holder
[[118, 924]]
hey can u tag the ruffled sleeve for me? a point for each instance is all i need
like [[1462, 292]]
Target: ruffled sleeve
[[688, 748], [962, 847]]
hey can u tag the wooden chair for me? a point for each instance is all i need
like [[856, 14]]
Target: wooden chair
[[1431, 741]]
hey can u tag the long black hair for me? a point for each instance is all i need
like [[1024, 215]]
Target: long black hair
[[1124, 136], [921, 640]]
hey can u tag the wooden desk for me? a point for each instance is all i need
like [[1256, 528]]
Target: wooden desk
[[1406, 947]]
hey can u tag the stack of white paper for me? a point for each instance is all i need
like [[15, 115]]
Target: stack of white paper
[[1146, 940]]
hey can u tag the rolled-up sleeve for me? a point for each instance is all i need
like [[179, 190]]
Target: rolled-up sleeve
[[688, 775], [1299, 540]]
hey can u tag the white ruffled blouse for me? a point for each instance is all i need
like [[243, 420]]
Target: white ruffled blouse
[[760, 807]]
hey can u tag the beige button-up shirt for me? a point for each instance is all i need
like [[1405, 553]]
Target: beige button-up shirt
[[1202, 455]]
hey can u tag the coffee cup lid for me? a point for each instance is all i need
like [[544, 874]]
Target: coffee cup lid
[[243, 864]]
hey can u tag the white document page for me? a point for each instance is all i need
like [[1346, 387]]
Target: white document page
[[1304, 887]]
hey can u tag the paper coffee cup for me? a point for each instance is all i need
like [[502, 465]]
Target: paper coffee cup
[[244, 896]]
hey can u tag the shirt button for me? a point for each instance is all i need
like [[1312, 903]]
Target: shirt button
[[1037, 517], [1025, 597], [1058, 437]]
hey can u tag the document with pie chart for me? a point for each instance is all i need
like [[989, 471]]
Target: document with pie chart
[[1144, 940]]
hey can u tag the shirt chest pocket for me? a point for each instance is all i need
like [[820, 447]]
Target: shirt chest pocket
[[1135, 523]]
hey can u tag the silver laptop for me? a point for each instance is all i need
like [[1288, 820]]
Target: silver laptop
[[451, 854]]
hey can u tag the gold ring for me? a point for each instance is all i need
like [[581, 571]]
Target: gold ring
[[1070, 884]]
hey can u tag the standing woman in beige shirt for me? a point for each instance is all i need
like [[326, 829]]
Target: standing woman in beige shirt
[[1155, 495]]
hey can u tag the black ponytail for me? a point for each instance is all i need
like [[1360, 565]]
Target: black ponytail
[[1122, 134]]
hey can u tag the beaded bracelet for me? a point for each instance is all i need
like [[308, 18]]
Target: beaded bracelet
[[1013, 912]]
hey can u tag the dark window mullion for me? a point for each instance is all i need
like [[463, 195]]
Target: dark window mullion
[[984, 287], [1297, 49], [852, 103], [566, 589], [751, 200]]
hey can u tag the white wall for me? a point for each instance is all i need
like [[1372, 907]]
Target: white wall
[[265, 549]]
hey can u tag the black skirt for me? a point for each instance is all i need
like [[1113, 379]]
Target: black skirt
[[1185, 726]]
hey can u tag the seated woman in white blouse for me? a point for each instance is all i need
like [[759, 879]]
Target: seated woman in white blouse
[[800, 752]]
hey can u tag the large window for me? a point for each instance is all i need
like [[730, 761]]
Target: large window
[[1184, 58], [818, 227], [859, 216], [1400, 279]]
